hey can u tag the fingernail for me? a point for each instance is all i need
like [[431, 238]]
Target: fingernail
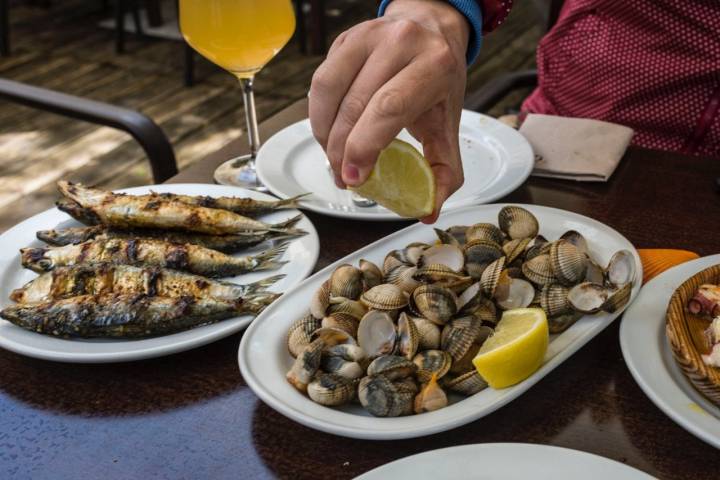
[[350, 174]]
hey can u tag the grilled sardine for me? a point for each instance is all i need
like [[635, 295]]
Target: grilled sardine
[[149, 252], [131, 211], [222, 243], [105, 279], [128, 316], [243, 206], [75, 210]]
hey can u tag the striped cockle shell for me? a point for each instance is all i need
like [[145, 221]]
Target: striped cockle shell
[[345, 305], [437, 304], [392, 366], [515, 249], [484, 231], [346, 281], [408, 336], [468, 383], [339, 366], [554, 300], [577, 239], [305, 366], [384, 398], [403, 277], [517, 222], [300, 333], [372, 275], [459, 335], [479, 254], [618, 299], [385, 296], [342, 321], [432, 361], [331, 390], [491, 276], [562, 322], [568, 263], [539, 270], [320, 300], [428, 332]]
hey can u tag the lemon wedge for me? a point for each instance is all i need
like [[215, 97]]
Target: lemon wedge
[[516, 349], [402, 181]]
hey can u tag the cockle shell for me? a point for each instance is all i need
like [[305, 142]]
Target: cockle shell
[[414, 251], [621, 268], [562, 322], [539, 270], [320, 300], [346, 351], [331, 390], [392, 367], [435, 303], [372, 275], [450, 256], [594, 273], [384, 398], [432, 361], [403, 277], [446, 238], [468, 383], [300, 333], [577, 239], [394, 259], [431, 397], [428, 332], [618, 299], [346, 281], [385, 296], [470, 297], [537, 246], [459, 335], [514, 293], [408, 336], [479, 254], [554, 300], [517, 222], [464, 363], [342, 321], [568, 263], [306, 365], [588, 297], [376, 334], [514, 249], [438, 273], [339, 366], [344, 305], [491, 276], [484, 231]]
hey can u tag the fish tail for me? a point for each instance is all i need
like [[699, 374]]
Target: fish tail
[[291, 202], [258, 302], [268, 260], [262, 285], [286, 224]]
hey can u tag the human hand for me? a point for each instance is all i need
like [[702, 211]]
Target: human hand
[[403, 70]]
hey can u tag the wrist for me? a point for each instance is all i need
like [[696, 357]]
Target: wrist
[[437, 15]]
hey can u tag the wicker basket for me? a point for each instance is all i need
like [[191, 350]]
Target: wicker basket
[[685, 332]]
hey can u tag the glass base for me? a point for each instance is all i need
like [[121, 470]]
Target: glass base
[[239, 172]]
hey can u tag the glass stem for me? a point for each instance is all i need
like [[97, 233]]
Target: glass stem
[[250, 117]]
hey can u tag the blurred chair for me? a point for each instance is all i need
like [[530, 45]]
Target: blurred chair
[[146, 132], [496, 89]]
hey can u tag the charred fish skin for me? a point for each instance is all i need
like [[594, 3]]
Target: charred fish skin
[[76, 211], [221, 243], [129, 211], [243, 206], [106, 279], [148, 252], [125, 316]]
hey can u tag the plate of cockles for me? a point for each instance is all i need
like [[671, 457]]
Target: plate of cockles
[[147, 271]]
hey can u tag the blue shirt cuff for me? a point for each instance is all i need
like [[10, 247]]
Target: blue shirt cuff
[[471, 10]]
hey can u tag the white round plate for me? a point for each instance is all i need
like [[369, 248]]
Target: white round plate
[[264, 359], [496, 160], [302, 254], [506, 461], [649, 357]]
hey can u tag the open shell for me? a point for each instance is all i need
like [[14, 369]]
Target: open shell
[[376, 334], [431, 397], [618, 299], [408, 336], [514, 293], [588, 297], [320, 300], [515, 249], [621, 268], [450, 256]]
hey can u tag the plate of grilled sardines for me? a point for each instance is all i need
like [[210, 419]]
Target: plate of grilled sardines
[[147, 271], [380, 345]]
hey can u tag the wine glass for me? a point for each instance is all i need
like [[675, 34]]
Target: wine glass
[[240, 36]]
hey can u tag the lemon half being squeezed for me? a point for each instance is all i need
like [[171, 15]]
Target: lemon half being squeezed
[[402, 181]]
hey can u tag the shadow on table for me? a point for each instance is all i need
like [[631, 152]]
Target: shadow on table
[[555, 411], [132, 388]]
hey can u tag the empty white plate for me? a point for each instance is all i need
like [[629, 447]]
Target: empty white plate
[[506, 461], [496, 160]]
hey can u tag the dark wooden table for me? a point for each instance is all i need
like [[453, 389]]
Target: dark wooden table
[[191, 415]]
